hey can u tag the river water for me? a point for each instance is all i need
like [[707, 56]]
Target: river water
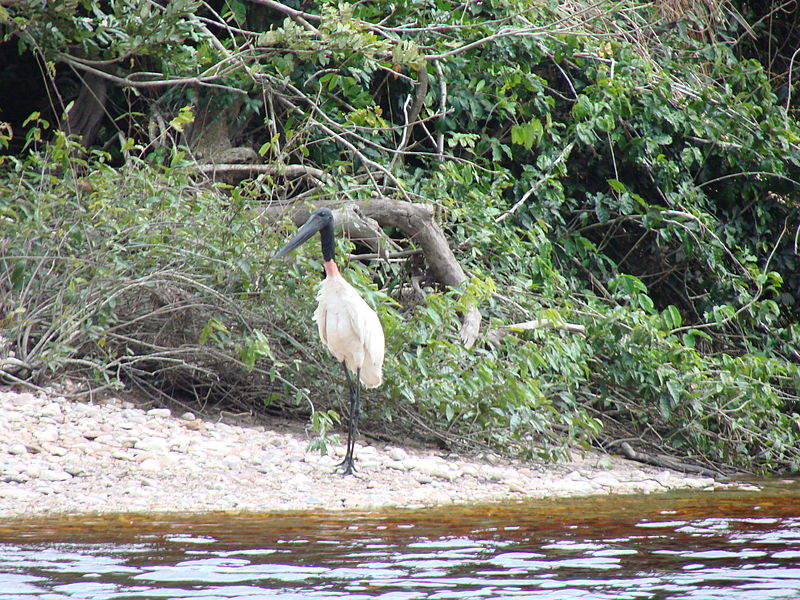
[[720, 545]]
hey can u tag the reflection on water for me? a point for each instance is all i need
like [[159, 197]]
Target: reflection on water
[[715, 545]]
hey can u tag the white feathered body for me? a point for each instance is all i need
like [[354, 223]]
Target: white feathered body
[[350, 329]]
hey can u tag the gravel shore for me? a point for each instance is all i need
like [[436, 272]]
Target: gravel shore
[[61, 456]]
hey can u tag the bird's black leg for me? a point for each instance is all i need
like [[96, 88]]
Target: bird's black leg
[[352, 428]]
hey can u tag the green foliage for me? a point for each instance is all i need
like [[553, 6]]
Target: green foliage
[[638, 185], [514, 394], [113, 30], [159, 286]]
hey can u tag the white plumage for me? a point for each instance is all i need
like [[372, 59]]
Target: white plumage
[[350, 329]]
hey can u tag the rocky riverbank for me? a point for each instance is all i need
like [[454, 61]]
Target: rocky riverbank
[[61, 456]]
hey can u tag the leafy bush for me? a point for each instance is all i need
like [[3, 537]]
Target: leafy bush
[[145, 279]]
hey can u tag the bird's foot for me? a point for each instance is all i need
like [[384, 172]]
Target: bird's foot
[[347, 465]]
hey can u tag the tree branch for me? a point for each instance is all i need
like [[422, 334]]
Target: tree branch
[[126, 81], [420, 89], [249, 169]]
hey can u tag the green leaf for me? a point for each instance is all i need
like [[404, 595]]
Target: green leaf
[[185, 117], [671, 317], [582, 108], [617, 186], [527, 135]]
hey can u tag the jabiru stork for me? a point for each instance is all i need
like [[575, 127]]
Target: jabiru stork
[[347, 325]]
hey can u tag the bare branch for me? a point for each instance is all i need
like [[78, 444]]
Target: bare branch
[[421, 88], [249, 169], [207, 81], [495, 335]]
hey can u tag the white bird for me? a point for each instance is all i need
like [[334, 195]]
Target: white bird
[[347, 325]]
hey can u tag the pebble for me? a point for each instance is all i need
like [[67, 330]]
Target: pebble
[[150, 465], [152, 444], [607, 481], [574, 487], [55, 450], [397, 454], [60, 456], [17, 449], [49, 433], [54, 475], [232, 461], [435, 468], [121, 455], [159, 412], [421, 477], [17, 493], [50, 410]]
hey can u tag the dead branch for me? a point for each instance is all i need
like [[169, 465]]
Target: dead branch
[[251, 170], [495, 335], [417, 222], [420, 89], [130, 81], [666, 462]]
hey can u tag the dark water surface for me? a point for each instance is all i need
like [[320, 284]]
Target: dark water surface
[[725, 545]]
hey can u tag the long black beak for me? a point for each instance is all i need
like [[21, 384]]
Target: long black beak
[[303, 234], [319, 221]]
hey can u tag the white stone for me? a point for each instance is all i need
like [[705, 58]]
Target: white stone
[[300, 482], [48, 433], [76, 470], [121, 455], [150, 465], [573, 487], [493, 473], [397, 454], [18, 493], [15, 477], [434, 468], [367, 451], [606, 481], [515, 485], [159, 412], [55, 450], [469, 469], [24, 399], [231, 460], [17, 449], [213, 446], [54, 475], [134, 415], [53, 409], [152, 444], [398, 465], [421, 477]]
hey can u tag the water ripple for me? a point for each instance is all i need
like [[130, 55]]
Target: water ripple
[[692, 548]]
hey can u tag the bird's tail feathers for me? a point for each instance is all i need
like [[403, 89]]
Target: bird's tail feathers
[[371, 375]]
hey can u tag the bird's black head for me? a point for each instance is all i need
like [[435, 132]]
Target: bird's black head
[[321, 220]]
